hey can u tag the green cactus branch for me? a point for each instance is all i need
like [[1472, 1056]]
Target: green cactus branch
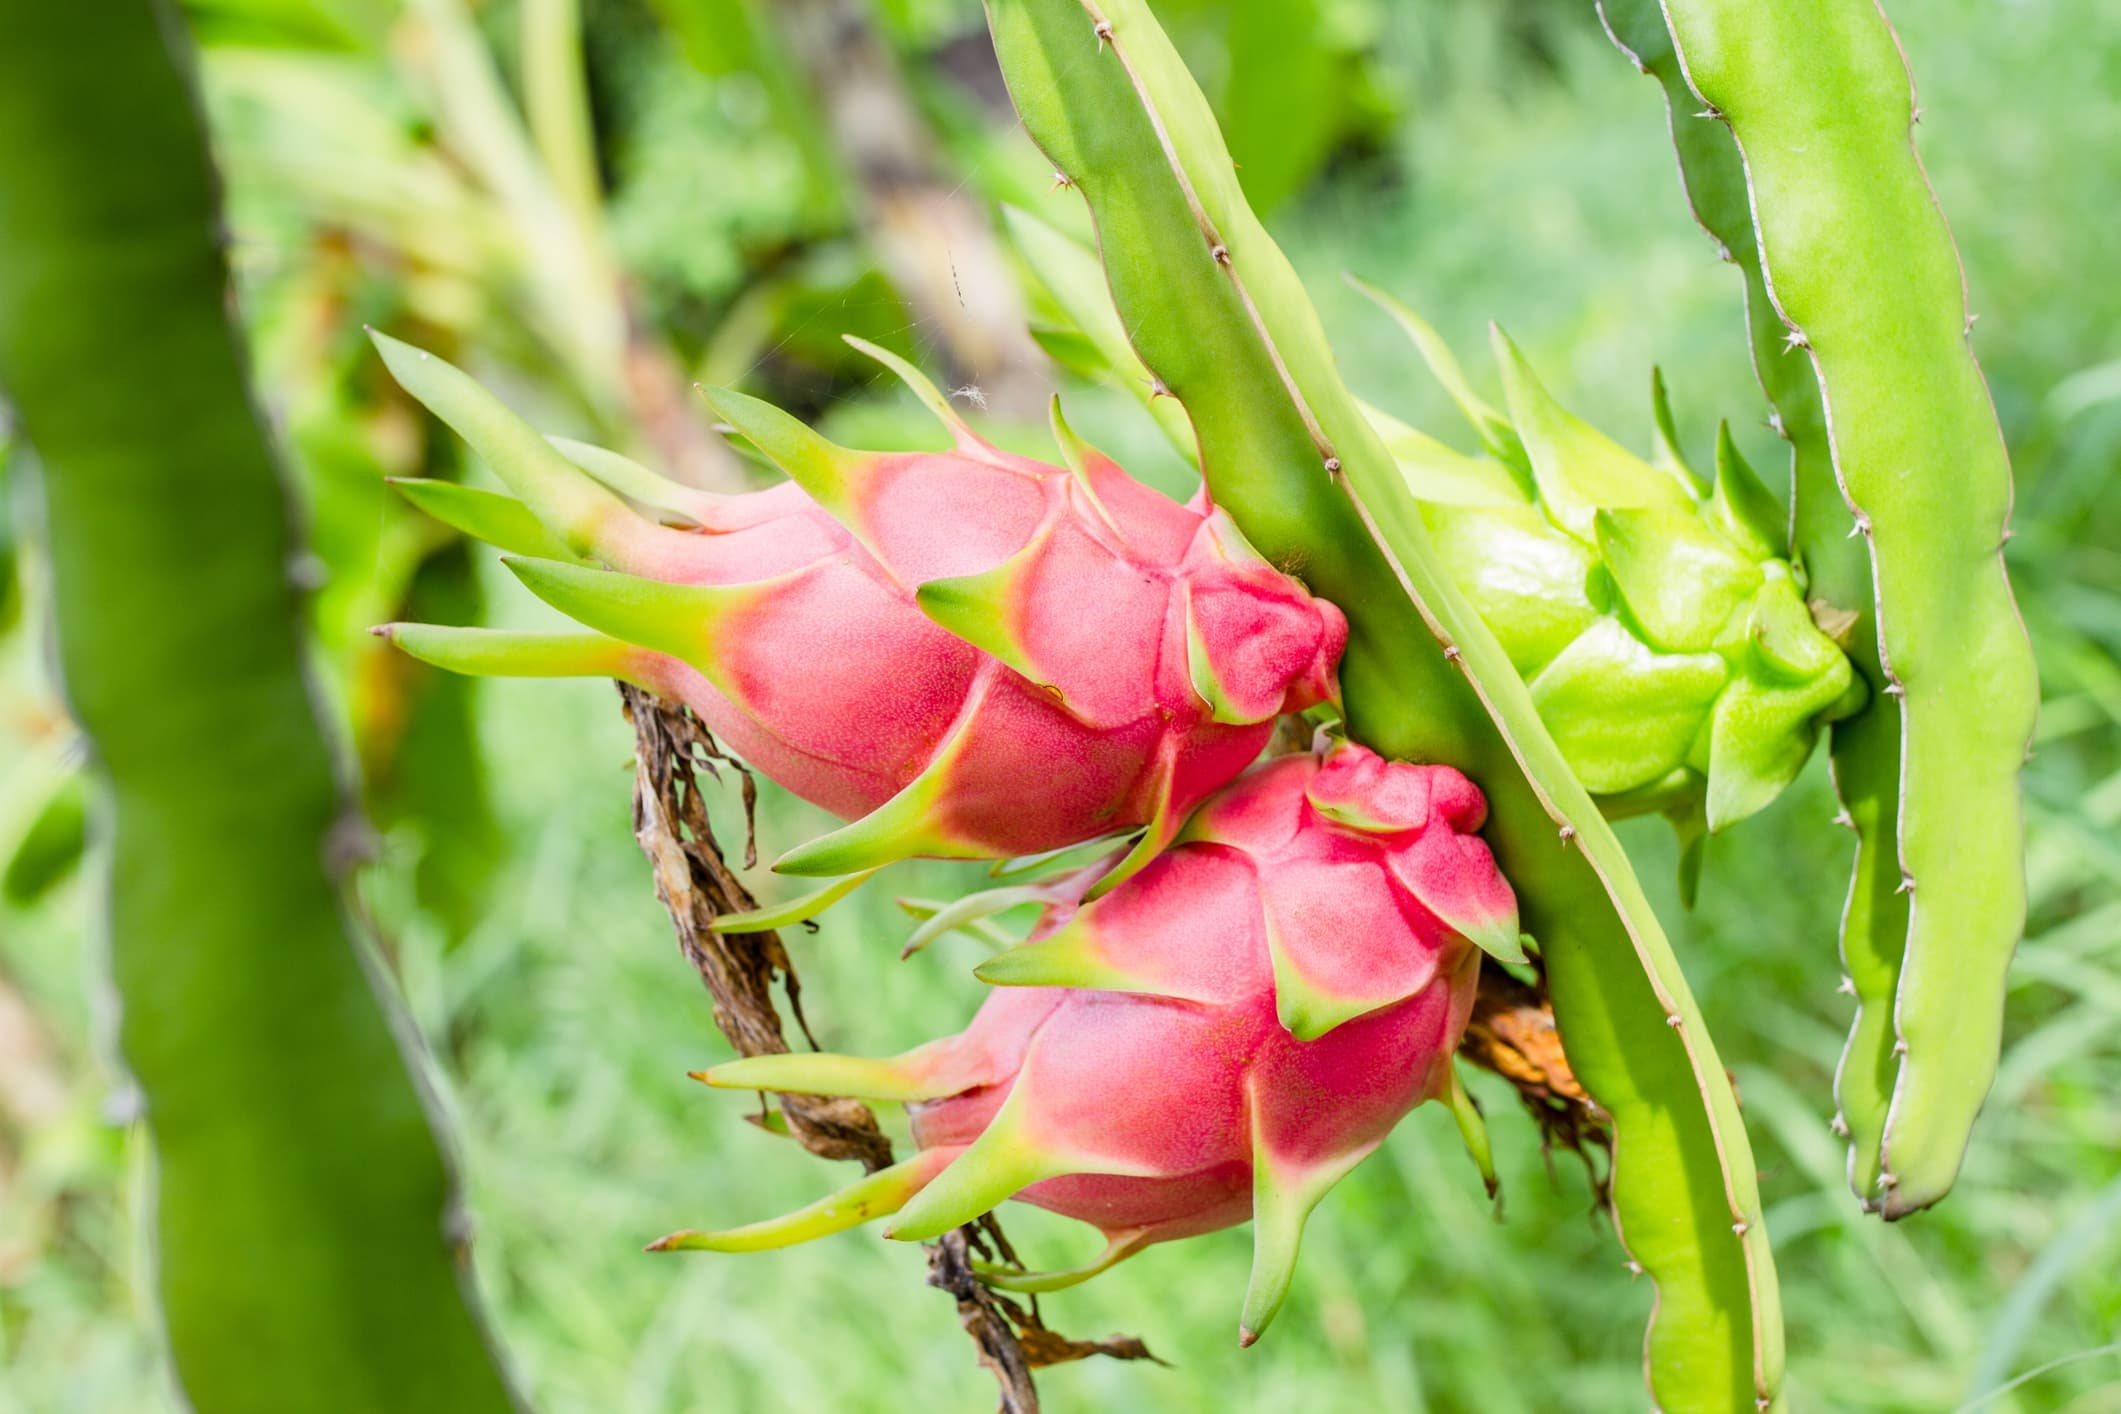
[[1864, 275], [305, 1227], [1218, 315], [1866, 747]]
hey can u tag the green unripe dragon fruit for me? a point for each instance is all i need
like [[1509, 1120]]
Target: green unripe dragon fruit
[[1666, 638]]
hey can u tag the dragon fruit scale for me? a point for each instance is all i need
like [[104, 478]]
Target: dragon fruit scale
[[967, 653], [1221, 1037]]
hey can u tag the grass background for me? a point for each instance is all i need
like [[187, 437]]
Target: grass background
[[1525, 178]]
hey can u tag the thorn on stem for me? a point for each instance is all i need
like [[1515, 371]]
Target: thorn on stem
[[1740, 1227], [1795, 339], [1886, 1180], [1061, 179], [1900, 1047], [1863, 525], [1775, 425], [1332, 466], [1103, 30], [1712, 111], [1568, 833], [1847, 987], [1451, 653], [1907, 884], [1840, 1126], [1219, 253], [1896, 688], [1675, 1021], [1634, 1268], [1845, 820], [1158, 388]]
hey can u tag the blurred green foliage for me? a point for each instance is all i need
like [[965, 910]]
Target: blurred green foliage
[[1483, 161]]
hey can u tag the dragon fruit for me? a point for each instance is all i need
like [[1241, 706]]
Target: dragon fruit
[[1666, 638], [1221, 1037], [970, 654]]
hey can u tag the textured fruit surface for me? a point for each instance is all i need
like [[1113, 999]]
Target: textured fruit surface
[[976, 653], [1221, 1037]]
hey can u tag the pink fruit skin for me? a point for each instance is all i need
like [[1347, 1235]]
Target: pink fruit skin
[[844, 691], [1171, 1092]]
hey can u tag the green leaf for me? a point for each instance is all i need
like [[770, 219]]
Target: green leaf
[[304, 1224]]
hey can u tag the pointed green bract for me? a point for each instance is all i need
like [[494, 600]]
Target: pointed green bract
[[586, 517], [1579, 470], [1118, 1248], [636, 482], [1305, 1010], [981, 608], [981, 930], [506, 653], [919, 1074], [1497, 433], [1165, 822], [1443, 475], [796, 910], [1741, 503], [835, 476], [971, 908], [1473, 1131], [902, 827], [1283, 1195], [923, 388], [500, 521], [878, 1194], [997, 1165], [1075, 455], [1070, 957], [683, 620], [1665, 453]]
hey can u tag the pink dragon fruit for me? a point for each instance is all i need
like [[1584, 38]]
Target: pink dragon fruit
[[977, 654], [1221, 1037]]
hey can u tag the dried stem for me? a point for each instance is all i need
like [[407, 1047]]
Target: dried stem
[[696, 886]]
